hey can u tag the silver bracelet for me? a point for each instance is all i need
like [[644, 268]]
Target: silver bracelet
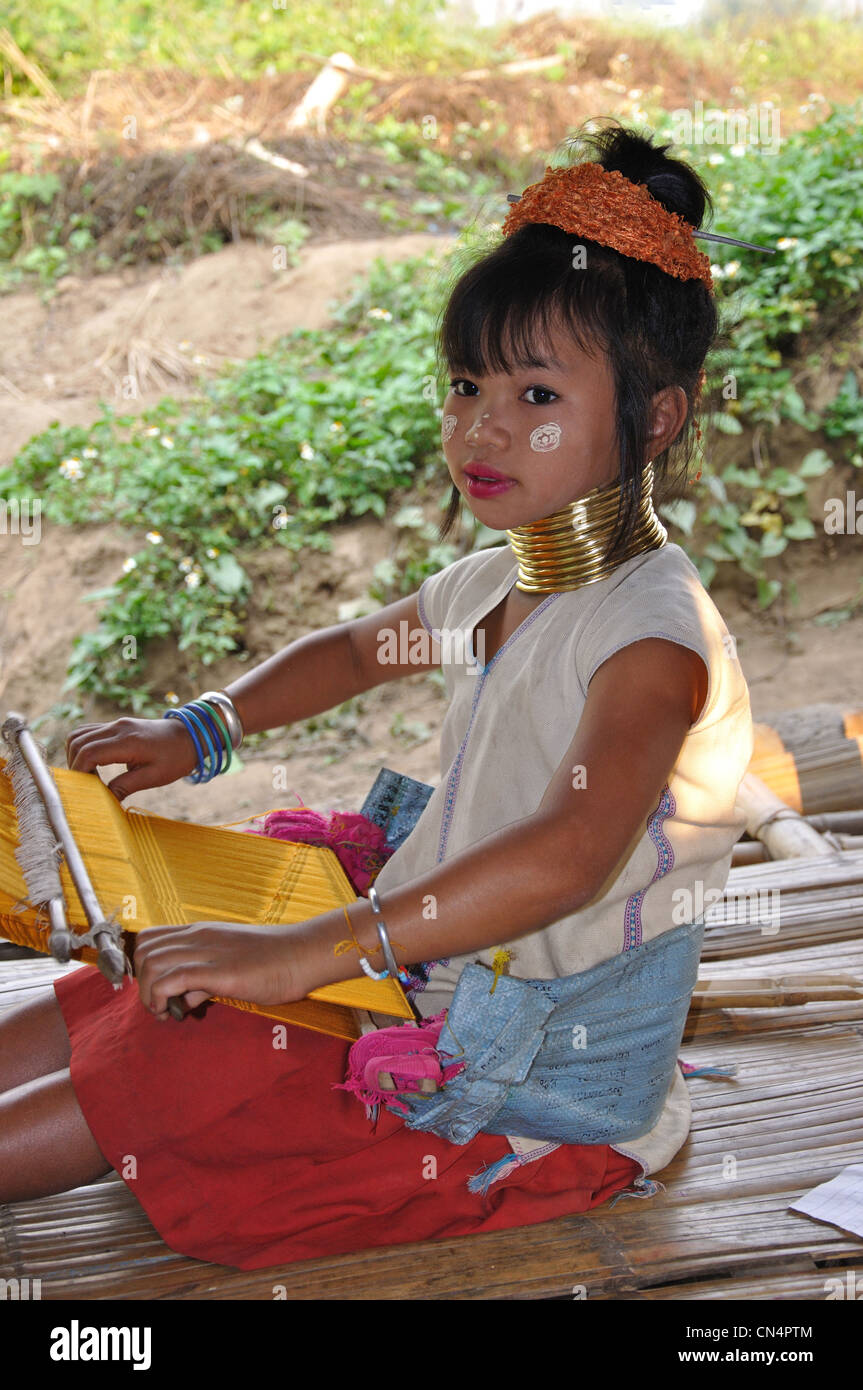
[[383, 937], [226, 706]]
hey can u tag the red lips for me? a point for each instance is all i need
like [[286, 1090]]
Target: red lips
[[477, 468]]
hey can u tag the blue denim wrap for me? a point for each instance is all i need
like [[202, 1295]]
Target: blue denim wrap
[[585, 1059]]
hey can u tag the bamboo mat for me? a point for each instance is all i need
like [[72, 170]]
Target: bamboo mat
[[790, 1119]]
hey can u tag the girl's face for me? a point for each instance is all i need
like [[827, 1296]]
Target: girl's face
[[544, 434]]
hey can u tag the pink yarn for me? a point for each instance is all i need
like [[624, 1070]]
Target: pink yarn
[[407, 1052], [360, 844]]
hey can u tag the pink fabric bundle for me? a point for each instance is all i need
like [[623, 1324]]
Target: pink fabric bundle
[[407, 1052], [361, 845]]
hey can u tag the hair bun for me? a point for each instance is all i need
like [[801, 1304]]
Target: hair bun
[[671, 182]]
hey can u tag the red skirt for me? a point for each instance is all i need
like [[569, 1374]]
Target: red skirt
[[241, 1152]]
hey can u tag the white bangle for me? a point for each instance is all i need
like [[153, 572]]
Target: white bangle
[[383, 937], [225, 704]]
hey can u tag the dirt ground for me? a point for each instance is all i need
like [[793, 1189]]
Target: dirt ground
[[63, 358]]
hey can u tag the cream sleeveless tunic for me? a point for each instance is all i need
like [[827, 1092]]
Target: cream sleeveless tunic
[[508, 726]]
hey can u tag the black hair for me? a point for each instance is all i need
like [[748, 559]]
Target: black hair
[[655, 328]]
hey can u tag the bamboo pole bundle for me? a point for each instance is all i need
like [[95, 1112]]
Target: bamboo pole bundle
[[812, 757], [725, 1022], [767, 991], [785, 904]]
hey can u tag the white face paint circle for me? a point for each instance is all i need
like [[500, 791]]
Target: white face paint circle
[[545, 437], [447, 429]]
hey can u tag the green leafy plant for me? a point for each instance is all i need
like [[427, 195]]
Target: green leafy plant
[[803, 201], [326, 426]]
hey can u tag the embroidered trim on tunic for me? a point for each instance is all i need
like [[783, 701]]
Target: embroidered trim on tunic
[[632, 912]]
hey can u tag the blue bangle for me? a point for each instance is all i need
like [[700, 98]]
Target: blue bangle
[[210, 722], [192, 721], [178, 714], [211, 749], [213, 712]]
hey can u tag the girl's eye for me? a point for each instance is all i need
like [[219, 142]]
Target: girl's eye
[[542, 391]]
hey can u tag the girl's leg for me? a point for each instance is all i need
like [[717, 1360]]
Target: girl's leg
[[45, 1145], [33, 1042]]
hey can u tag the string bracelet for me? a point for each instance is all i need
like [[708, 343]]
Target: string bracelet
[[367, 969], [353, 944]]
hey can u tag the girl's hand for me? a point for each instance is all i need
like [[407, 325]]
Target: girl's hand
[[233, 959], [155, 751]]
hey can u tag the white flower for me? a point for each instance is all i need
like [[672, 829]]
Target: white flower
[[154, 538], [172, 698], [732, 268], [186, 564], [336, 427], [167, 441], [71, 468], [306, 450], [90, 453], [716, 159], [738, 151], [129, 564], [717, 272], [200, 360], [213, 552], [379, 314], [154, 430], [193, 580], [786, 242]]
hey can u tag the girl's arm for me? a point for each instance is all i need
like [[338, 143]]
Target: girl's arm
[[323, 669], [313, 674], [640, 705]]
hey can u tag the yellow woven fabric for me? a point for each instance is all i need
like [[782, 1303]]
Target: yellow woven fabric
[[153, 871]]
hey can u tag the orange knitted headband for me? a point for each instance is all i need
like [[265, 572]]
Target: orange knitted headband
[[605, 206]]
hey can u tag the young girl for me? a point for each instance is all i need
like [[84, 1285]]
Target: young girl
[[597, 731]]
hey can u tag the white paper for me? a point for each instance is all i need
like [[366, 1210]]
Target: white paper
[[839, 1201]]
